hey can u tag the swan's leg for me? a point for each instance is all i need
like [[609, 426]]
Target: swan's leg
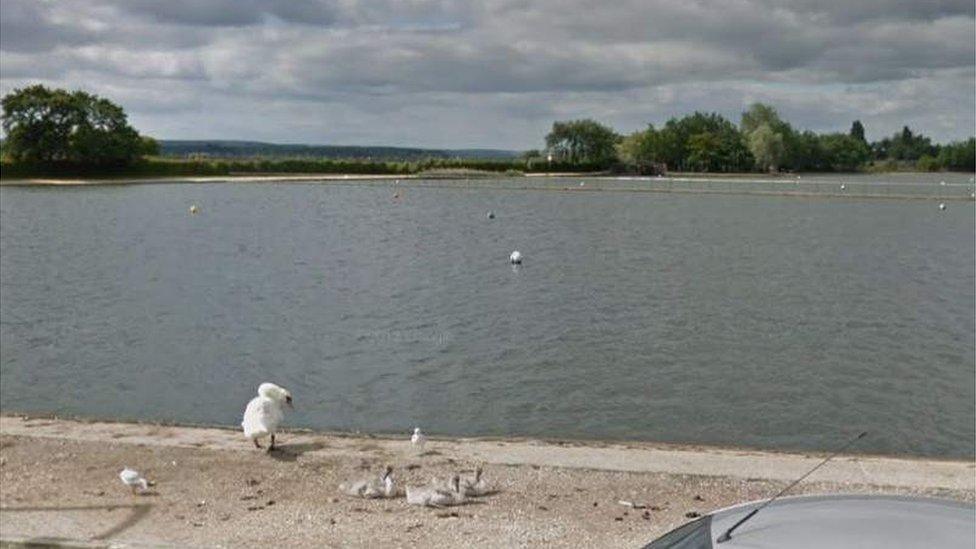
[[256, 443], [270, 448]]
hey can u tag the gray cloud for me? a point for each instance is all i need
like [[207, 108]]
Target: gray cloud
[[442, 73]]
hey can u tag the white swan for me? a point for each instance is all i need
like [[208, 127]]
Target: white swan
[[475, 486], [430, 496], [942, 206], [264, 413], [515, 258], [134, 480], [418, 440]]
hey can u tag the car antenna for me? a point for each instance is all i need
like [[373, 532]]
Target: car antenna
[[728, 533]]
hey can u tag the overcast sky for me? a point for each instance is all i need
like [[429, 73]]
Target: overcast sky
[[496, 73]]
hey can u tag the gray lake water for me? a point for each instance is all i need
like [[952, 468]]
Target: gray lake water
[[756, 321]]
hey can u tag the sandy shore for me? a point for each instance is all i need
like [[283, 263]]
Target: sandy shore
[[59, 480]]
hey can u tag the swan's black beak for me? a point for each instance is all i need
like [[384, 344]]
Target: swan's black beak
[[288, 402]]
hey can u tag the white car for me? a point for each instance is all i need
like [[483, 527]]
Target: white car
[[835, 521]]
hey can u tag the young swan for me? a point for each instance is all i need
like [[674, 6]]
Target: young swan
[[372, 488], [265, 412], [436, 497], [474, 487]]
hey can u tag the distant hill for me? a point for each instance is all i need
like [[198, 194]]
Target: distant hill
[[235, 149]]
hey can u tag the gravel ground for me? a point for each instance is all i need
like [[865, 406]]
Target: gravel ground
[[60, 479]]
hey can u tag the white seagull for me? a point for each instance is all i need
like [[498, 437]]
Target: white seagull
[[515, 258], [134, 480], [264, 413], [419, 440]]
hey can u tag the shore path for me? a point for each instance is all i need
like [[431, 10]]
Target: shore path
[[59, 479]]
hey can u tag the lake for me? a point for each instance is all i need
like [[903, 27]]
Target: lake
[[757, 321]]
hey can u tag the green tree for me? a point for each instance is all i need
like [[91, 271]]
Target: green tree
[[904, 145], [640, 150], [767, 147], [771, 140], [843, 152], [702, 142], [857, 131], [57, 126], [959, 155], [582, 141]]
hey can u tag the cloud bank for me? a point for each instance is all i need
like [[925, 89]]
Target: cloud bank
[[497, 73]]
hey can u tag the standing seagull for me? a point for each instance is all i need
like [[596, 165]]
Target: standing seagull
[[264, 413], [134, 480], [419, 440]]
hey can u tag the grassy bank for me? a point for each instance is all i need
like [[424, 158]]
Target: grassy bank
[[166, 167]]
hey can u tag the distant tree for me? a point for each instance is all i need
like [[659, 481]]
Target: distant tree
[[857, 131], [56, 126], [904, 145], [767, 147], [582, 141], [641, 150], [927, 163], [771, 140], [149, 146], [760, 114], [843, 152], [702, 142], [959, 155]]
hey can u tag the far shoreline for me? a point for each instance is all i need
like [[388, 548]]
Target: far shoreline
[[670, 184], [245, 177]]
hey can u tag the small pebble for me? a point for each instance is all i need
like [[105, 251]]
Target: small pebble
[[692, 514]]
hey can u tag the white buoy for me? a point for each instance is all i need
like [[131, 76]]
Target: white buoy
[[490, 214], [582, 183], [516, 258], [194, 209], [941, 182], [843, 187], [942, 206]]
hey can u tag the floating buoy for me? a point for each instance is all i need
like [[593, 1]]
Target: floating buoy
[[490, 214], [942, 206], [582, 183], [194, 209], [515, 258], [843, 187]]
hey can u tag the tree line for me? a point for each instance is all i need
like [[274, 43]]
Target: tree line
[[58, 131], [763, 142]]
